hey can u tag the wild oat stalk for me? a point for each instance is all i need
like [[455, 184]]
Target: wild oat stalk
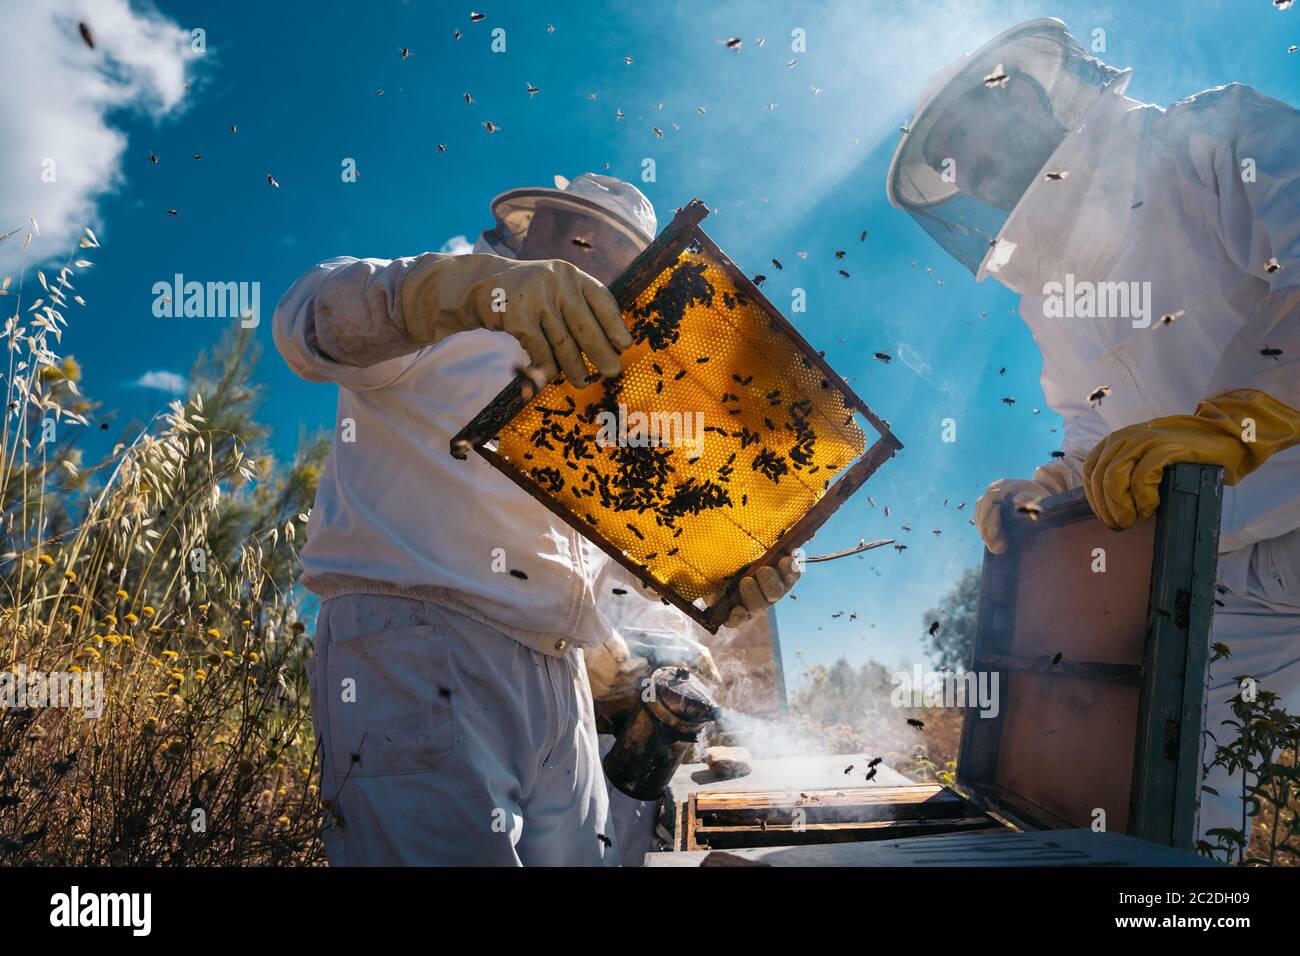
[[167, 567]]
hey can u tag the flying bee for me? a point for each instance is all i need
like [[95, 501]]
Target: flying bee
[[1271, 353], [1057, 658], [884, 357], [1008, 401], [918, 724], [581, 243], [997, 78], [934, 628], [1170, 318], [1055, 177], [1096, 396]]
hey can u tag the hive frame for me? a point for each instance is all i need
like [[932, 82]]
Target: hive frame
[[681, 232]]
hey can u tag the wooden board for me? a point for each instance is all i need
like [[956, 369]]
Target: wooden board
[[1101, 673], [725, 820], [996, 849]]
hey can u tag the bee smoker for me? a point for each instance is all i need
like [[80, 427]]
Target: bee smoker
[[673, 709]]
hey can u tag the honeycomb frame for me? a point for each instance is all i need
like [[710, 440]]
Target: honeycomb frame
[[524, 434]]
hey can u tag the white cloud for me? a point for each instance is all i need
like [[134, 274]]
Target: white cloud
[[162, 381], [55, 103], [457, 246]]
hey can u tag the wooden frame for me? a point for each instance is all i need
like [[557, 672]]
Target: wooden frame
[[681, 234], [736, 819], [1164, 787]]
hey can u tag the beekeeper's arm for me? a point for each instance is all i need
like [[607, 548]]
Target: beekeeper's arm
[[1243, 156], [358, 322]]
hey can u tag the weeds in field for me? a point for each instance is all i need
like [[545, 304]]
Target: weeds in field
[[166, 569], [1265, 741]]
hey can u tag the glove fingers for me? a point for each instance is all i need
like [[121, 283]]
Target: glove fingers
[[605, 307], [988, 520], [588, 334], [1145, 482], [738, 616], [564, 347], [1117, 492], [789, 572], [539, 351], [770, 583], [752, 596]]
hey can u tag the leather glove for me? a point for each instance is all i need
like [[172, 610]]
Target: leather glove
[[556, 311], [1051, 479], [1122, 474], [616, 668], [764, 587]]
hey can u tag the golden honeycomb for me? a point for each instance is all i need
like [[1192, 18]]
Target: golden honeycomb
[[709, 363]]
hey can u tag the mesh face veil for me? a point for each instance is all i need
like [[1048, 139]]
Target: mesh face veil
[[986, 126]]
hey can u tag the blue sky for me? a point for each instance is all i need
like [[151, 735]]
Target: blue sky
[[300, 81]]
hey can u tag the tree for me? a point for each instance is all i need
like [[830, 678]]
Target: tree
[[950, 644]]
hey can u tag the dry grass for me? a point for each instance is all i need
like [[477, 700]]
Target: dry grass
[[166, 569]]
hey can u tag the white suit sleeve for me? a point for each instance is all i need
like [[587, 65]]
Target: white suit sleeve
[[1255, 168], [341, 322], [1257, 175]]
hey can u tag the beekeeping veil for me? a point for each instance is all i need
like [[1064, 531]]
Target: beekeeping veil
[[598, 223], [986, 126]]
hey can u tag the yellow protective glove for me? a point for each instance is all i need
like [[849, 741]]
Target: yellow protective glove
[[1238, 430], [1052, 478], [555, 310]]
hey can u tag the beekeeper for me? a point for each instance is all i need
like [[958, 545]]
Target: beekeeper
[[449, 691], [1157, 254]]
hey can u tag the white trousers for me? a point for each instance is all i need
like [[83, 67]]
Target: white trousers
[[444, 742], [1262, 628]]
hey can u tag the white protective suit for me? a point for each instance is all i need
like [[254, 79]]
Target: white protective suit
[[450, 694], [1196, 210]]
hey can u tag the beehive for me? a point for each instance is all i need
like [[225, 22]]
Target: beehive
[[716, 451]]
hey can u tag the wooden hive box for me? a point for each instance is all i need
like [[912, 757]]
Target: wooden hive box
[[1100, 704]]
